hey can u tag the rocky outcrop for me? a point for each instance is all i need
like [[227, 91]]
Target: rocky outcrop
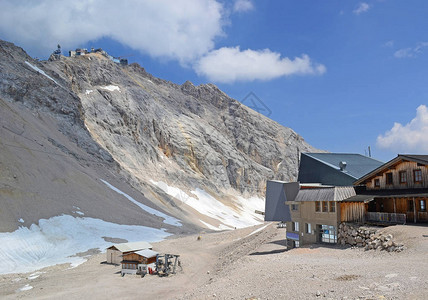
[[220, 144], [139, 129], [371, 238]]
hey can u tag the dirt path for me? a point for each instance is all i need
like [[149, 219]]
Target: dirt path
[[241, 264]]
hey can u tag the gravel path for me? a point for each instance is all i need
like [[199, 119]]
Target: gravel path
[[241, 264]]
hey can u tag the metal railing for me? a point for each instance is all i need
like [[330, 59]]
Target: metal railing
[[386, 217]]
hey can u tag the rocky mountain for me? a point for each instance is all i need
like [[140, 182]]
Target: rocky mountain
[[69, 122]]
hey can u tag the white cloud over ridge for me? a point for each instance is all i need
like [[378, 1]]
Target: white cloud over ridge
[[362, 7], [179, 29], [230, 64], [412, 137], [243, 6]]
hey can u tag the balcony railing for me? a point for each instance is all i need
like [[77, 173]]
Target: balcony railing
[[379, 217]]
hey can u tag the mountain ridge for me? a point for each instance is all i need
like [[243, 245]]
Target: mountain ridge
[[152, 131]]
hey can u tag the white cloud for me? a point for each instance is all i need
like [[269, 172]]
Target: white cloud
[[179, 29], [412, 137], [231, 64], [243, 6], [411, 52], [402, 53], [362, 7], [389, 43]]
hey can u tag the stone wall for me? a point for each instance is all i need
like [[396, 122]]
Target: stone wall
[[368, 237]]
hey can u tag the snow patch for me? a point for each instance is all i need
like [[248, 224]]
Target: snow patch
[[257, 230], [242, 216], [209, 226], [167, 219], [111, 88], [41, 72], [25, 288], [87, 92], [79, 213], [58, 239], [21, 220], [35, 275]]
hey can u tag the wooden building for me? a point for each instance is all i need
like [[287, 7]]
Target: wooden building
[[138, 261], [399, 189], [115, 252]]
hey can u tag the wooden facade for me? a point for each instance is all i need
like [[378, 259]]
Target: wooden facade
[[352, 211], [400, 189], [414, 208], [138, 259], [404, 175]]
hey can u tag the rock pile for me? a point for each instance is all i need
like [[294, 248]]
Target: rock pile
[[367, 237]]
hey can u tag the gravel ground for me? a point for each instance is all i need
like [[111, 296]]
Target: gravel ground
[[241, 265]]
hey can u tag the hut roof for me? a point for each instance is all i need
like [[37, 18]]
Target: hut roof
[[147, 253], [131, 247]]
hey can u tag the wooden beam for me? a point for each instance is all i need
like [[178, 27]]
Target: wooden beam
[[414, 209]]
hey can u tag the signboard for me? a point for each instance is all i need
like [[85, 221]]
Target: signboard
[[292, 236]]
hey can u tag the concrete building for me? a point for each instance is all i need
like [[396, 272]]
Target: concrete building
[[317, 211], [115, 253]]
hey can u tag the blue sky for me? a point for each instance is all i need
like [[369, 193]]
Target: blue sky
[[340, 73]]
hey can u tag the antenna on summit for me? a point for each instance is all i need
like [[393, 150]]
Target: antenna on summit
[[58, 50]]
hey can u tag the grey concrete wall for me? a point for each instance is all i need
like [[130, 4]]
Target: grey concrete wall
[[276, 194]]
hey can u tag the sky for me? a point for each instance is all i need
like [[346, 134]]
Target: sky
[[345, 75]]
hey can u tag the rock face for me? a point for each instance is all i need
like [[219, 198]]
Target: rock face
[[214, 139], [149, 129]]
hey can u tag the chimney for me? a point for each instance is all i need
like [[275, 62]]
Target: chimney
[[342, 166]]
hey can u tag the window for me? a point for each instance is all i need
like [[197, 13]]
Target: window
[[308, 228], [296, 244], [423, 205], [409, 205], [377, 182], [389, 178], [417, 175], [294, 207], [328, 234], [324, 206], [332, 205], [295, 226], [403, 177], [317, 206]]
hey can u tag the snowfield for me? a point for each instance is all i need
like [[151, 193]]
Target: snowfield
[[57, 240], [167, 219], [41, 72], [242, 216]]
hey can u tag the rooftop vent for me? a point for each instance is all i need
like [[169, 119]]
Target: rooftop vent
[[342, 165]]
